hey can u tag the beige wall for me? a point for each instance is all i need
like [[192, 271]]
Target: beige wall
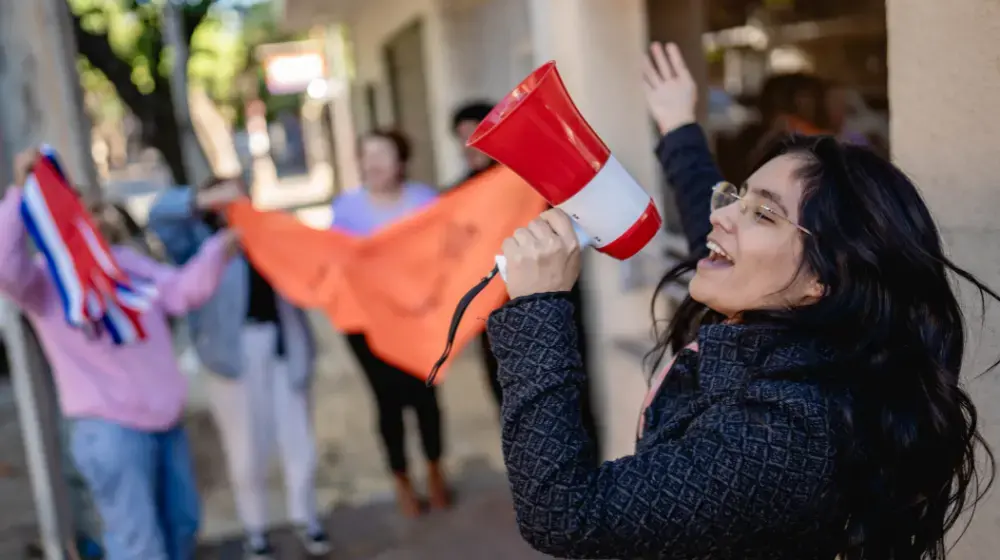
[[374, 24], [472, 48], [944, 92], [490, 47]]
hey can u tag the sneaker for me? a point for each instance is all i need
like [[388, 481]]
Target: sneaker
[[257, 549], [315, 541]]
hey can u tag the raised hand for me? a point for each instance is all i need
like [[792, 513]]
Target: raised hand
[[671, 93]]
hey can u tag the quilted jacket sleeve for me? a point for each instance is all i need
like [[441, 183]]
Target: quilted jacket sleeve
[[739, 470], [690, 169]]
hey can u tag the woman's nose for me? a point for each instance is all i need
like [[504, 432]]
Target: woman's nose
[[725, 218]]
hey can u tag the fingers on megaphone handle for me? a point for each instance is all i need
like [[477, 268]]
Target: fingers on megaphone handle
[[581, 237]]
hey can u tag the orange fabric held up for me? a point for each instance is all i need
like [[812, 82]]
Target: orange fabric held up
[[401, 285]]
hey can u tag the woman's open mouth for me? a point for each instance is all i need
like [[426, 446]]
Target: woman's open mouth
[[717, 257]]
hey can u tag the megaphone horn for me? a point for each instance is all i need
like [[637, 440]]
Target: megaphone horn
[[538, 132]]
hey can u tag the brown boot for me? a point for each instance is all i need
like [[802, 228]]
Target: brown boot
[[438, 492], [406, 496]]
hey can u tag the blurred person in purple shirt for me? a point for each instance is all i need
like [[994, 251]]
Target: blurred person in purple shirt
[[126, 402], [385, 197]]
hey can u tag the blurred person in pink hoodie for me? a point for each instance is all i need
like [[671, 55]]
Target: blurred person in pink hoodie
[[125, 402]]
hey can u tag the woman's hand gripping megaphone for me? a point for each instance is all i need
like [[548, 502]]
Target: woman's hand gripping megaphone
[[544, 256], [582, 239]]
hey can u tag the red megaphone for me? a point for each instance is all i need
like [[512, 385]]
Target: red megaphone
[[538, 132]]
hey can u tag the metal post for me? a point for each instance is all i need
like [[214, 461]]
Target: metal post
[[37, 433]]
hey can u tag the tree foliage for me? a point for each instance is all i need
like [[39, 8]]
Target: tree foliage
[[124, 60]]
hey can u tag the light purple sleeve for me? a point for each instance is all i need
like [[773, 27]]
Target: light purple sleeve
[[22, 278], [423, 194], [338, 209], [181, 289]]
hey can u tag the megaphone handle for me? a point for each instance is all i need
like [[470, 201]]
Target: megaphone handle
[[581, 236]]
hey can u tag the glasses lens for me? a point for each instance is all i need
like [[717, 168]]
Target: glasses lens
[[723, 195]]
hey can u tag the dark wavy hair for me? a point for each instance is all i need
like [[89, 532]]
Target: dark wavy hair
[[907, 461]]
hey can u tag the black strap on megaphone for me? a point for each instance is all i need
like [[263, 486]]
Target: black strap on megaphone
[[456, 319]]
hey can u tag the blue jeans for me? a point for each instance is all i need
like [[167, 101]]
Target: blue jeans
[[143, 486]]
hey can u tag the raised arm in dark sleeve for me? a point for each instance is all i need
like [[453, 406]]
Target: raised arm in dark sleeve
[[690, 169], [686, 498]]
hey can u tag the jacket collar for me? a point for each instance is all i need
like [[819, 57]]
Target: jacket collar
[[730, 355]]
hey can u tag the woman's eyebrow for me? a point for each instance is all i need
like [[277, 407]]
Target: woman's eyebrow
[[770, 195]]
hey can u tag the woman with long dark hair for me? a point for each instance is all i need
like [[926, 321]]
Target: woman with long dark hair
[[813, 408]]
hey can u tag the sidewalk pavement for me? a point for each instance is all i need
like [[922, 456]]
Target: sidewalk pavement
[[480, 526]]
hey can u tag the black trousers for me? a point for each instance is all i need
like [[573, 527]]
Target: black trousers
[[589, 421], [394, 390]]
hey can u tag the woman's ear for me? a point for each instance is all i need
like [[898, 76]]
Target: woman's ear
[[815, 289]]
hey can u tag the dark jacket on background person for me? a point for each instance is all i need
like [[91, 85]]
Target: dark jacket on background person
[[735, 462]]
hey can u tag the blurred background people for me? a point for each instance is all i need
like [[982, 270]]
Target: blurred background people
[[124, 402], [260, 351], [385, 196]]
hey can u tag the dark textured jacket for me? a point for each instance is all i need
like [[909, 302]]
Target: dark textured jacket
[[736, 461]]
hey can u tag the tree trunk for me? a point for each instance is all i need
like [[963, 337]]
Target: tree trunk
[[155, 109], [162, 133]]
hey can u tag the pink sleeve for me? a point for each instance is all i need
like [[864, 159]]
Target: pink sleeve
[[22, 278], [182, 289]]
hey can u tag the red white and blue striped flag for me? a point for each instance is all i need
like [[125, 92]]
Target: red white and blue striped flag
[[96, 294]]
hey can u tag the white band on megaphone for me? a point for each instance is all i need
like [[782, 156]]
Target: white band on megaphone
[[581, 237], [609, 204]]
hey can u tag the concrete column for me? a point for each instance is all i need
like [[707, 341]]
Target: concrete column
[[597, 46], [41, 91], [344, 135], [443, 93], [42, 102], [944, 94], [683, 22]]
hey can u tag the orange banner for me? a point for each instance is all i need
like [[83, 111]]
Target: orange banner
[[401, 285]]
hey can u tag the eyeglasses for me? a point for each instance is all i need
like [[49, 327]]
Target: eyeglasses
[[725, 194]]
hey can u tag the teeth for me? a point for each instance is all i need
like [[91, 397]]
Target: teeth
[[717, 250]]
